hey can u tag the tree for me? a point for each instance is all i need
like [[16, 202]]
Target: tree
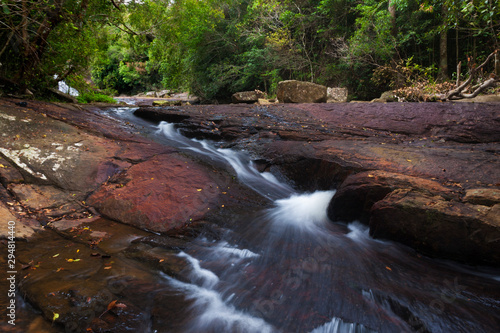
[[48, 39]]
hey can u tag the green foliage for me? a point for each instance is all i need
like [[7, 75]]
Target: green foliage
[[43, 39], [214, 48], [372, 42], [91, 96]]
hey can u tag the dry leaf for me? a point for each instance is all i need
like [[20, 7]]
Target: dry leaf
[[112, 304]]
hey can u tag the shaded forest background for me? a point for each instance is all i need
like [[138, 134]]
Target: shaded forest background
[[213, 48]]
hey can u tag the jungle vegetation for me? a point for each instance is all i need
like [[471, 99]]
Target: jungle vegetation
[[213, 48]]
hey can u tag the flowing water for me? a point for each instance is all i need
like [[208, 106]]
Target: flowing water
[[290, 269]]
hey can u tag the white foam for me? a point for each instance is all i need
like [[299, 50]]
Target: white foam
[[200, 275], [213, 313], [337, 325], [302, 211], [358, 231], [225, 248]]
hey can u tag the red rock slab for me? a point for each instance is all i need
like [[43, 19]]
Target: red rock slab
[[438, 227], [160, 194], [357, 194]]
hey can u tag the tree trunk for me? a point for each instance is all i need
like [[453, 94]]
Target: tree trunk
[[497, 65], [443, 48], [398, 80], [392, 13]]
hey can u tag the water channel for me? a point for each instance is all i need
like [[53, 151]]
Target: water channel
[[287, 268]]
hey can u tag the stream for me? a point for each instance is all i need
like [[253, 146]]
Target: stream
[[287, 268]]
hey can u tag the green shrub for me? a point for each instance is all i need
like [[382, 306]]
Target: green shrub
[[92, 96]]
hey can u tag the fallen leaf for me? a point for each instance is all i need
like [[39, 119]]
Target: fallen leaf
[[388, 268], [72, 260], [56, 315], [112, 305], [55, 255]]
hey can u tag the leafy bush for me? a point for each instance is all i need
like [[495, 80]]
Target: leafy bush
[[93, 96]]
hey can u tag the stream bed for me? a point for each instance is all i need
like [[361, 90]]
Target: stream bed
[[287, 268], [281, 266]]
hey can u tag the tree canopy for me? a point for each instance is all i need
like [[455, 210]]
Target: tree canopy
[[214, 48]]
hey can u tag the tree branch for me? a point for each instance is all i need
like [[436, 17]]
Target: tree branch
[[457, 93]]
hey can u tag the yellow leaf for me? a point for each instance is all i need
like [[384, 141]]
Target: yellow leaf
[[55, 255], [56, 315], [199, 190]]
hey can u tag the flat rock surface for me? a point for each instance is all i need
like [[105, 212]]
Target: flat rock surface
[[86, 191]]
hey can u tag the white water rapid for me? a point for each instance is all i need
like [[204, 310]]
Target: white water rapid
[[287, 268]]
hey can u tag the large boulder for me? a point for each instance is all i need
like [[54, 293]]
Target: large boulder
[[336, 95], [248, 96], [357, 194], [439, 227], [292, 91]]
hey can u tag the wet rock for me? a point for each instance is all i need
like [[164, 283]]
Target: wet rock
[[292, 91], [165, 242], [164, 193], [439, 227], [41, 196], [159, 258], [8, 173], [359, 192], [482, 196], [9, 223]]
